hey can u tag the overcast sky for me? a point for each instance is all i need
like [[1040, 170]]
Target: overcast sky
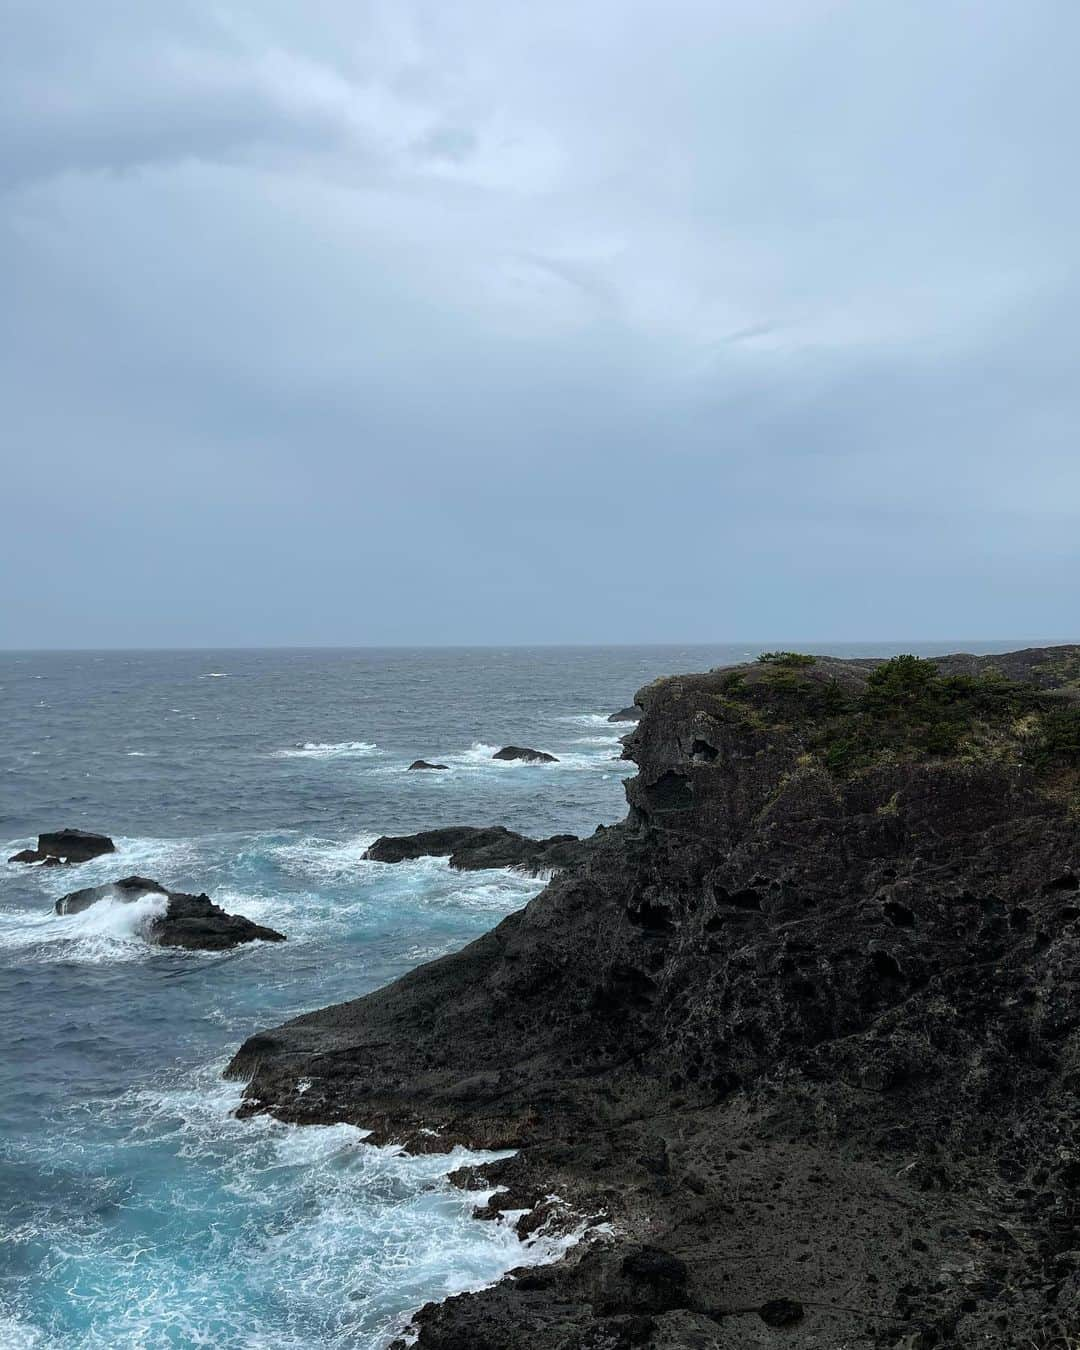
[[346, 322]]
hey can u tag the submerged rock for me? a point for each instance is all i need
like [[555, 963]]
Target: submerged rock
[[191, 921], [471, 848], [803, 1030], [423, 764], [70, 846], [631, 714], [523, 752]]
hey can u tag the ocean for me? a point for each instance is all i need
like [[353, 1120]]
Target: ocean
[[134, 1209]]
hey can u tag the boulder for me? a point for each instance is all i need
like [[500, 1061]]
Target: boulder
[[525, 754], [27, 855], [191, 921], [631, 714], [74, 846], [471, 848], [423, 764]]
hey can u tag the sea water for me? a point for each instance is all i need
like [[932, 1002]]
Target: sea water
[[135, 1210]]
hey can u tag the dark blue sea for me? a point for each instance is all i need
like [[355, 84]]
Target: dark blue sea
[[135, 1211]]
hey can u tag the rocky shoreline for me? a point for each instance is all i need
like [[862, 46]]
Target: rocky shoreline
[[800, 1039]]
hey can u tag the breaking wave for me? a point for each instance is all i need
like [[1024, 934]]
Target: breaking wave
[[109, 930], [330, 750]]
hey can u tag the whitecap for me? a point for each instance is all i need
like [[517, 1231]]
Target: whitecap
[[479, 758], [111, 929], [330, 750]]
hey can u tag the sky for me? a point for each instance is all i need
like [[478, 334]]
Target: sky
[[356, 323]]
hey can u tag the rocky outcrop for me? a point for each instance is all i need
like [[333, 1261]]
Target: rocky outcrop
[[470, 848], [69, 846], [191, 921], [525, 754], [631, 714], [423, 764], [804, 1030]]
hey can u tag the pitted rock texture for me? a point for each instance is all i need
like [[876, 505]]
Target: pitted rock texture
[[805, 1030]]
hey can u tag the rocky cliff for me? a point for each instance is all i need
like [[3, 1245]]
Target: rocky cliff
[[804, 1030]]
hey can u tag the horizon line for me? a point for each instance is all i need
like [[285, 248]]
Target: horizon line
[[761, 644]]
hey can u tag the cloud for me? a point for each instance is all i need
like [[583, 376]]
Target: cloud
[[692, 320]]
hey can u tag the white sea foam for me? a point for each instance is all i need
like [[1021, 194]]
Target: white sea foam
[[380, 1231], [109, 930], [588, 719], [330, 750], [479, 758]]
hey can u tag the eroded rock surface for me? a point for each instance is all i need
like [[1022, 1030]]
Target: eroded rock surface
[[631, 714], [805, 1029], [191, 921]]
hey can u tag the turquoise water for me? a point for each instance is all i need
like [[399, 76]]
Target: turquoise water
[[135, 1210]]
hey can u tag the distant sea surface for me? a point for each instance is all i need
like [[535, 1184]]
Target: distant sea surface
[[134, 1210]]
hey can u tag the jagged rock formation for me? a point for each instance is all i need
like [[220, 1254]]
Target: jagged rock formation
[[471, 848], [631, 714], [525, 754], [805, 1029], [69, 846], [191, 921]]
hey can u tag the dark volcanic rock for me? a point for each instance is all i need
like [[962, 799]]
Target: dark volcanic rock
[[471, 848], [75, 846], [65, 846], [523, 752], [804, 1030], [423, 764], [192, 921], [631, 714], [28, 855]]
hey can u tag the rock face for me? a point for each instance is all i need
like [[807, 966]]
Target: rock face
[[191, 921], [805, 1030], [471, 848], [423, 764], [523, 752], [71, 846], [631, 714]]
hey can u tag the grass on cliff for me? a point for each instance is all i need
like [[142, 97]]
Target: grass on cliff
[[908, 710]]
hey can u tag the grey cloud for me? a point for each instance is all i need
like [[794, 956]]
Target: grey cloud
[[414, 322]]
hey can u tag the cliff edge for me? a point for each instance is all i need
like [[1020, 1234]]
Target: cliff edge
[[804, 1030]]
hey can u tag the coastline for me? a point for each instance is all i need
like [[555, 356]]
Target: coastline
[[782, 1028]]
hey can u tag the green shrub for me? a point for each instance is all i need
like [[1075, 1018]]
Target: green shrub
[[790, 659]]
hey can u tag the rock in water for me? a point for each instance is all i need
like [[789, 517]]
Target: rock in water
[[423, 764], [523, 752], [191, 921], [70, 846], [631, 714], [75, 846], [470, 848], [806, 1025], [27, 855]]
